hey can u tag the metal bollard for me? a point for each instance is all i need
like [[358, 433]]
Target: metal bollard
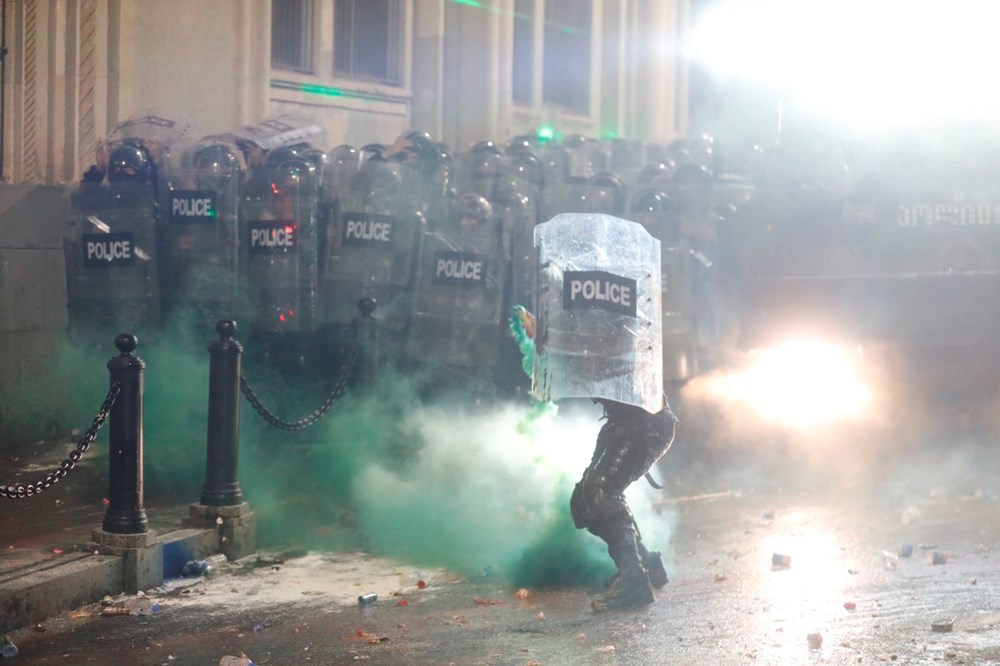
[[366, 337], [221, 485], [125, 513]]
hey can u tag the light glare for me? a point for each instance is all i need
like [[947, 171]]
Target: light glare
[[866, 63], [801, 384]]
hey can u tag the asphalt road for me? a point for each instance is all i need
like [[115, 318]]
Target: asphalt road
[[846, 584]]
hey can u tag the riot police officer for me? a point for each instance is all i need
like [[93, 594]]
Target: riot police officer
[[598, 282], [112, 253], [458, 295], [199, 232]]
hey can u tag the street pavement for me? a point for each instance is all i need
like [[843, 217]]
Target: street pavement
[[872, 577]]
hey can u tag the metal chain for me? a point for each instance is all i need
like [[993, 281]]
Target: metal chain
[[19, 492], [313, 418]]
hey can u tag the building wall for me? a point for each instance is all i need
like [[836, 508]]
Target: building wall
[[33, 314], [77, 67]]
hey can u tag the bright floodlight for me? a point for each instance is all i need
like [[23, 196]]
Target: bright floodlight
[[803, 384], [871, 63]]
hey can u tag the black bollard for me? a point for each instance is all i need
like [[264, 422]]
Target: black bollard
[[366, 337], [125, 513], [221, 485]]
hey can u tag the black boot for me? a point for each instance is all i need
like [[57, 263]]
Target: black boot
[[630, 589], [653, 564]]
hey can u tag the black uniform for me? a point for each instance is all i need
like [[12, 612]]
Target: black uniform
[[629, 443]]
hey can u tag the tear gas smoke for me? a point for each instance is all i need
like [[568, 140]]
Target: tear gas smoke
[[480, 491], [443, 483]]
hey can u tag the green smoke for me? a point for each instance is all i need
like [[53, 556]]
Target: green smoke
[[431, 482], [482, 492]]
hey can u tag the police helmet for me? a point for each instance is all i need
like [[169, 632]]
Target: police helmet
[[519, 143], [372, 151], [419, 137], [527, 167], [277, 156], [344, 154], [472, 210], [486, 147], [294, 177], [129, 163], [656, 171], [607, 194], [317, 158], [655, 210], [422, 149], [217, 160], [651, 202]]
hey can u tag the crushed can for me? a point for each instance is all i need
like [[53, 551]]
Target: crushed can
[[366, 599], [194, 568]]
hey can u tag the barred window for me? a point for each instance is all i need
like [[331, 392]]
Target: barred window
[[367, 40], [291, 34], [567, 54]]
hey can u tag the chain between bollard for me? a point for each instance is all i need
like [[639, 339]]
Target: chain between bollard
[[312, 419], [21, 491]]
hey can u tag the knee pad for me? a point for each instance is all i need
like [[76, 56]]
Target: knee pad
[[586, 504]]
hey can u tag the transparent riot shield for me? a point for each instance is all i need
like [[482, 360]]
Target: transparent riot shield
[[372, 249], [520, 219], [599, 329], [458, 295], [111, 263], [279, 240], [656, 211], [278, 131], [153, 128], [199, 232]]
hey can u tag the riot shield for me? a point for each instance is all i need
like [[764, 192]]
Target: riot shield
[[458, 295], [111, 265], [158, 129], [279, 131], [599, 329], [520, 219], [199, 237], [371, 250], [279, 240]]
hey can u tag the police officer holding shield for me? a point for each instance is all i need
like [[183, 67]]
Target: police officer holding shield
[[599, 336]]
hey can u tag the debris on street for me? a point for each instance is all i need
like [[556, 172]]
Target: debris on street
[[779, 561], [488, 602], [7, 649], [942, 626]]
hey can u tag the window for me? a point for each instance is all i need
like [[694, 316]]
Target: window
[[291, 34], [366, 40], [524, 51], [567, 54]]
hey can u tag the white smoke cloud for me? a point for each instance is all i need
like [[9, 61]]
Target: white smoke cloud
[[480, 490]]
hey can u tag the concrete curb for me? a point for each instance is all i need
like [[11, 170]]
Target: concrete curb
[[48, 589]]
